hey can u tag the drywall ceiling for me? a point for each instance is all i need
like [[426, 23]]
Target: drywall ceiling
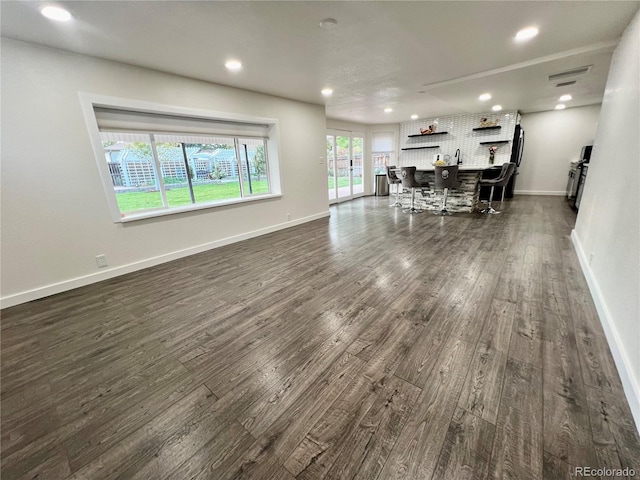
[[425, 58]]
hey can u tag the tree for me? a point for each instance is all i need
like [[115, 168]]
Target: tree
[[141, 150], [343, 145], [216, 146], [329, 147], [217, 173], [356, 145], [260, 162]]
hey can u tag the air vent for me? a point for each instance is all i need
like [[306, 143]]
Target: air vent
[[566, 84], [570, 73]]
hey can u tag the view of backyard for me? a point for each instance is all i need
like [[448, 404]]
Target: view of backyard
[[213, 169], [344, 161], [344, 182], [191, 172], [210, 192]]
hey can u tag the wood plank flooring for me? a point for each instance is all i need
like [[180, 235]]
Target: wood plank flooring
[[371, 345]]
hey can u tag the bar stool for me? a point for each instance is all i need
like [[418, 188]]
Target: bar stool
[[446, 178], [501, 181], [393, 179], [409, 181]]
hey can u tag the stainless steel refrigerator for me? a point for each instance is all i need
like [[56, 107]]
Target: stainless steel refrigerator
[[516, 157], [517, 147]]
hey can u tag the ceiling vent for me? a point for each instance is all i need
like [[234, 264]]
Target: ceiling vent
[[570, 73], [566, 84]]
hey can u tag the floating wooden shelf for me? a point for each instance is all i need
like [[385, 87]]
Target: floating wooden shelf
[[428, 134], [496, 141], [420, 148], [497, 127]]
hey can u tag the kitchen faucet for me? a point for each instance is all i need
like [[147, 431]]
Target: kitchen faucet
[[458, 157]]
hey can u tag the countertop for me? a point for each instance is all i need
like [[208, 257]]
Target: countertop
[[462, 168]]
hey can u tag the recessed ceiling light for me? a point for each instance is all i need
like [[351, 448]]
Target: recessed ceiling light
[[496, 108], [565, 98], [233, 65], [526, 34], [561, 106], [388, 110], [328, 23], [56, 13], [414, 117], [484, 97], [326, 92], [422, 91]]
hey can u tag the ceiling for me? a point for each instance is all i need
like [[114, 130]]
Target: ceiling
[[421, 57]]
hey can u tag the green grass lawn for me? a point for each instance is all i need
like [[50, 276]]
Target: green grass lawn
[[133, 201], [210, 192], [344, 182]]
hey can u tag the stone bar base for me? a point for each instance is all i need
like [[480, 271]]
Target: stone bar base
[[462, 199]]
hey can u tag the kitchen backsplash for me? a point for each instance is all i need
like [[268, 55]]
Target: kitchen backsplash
[[460, 134]]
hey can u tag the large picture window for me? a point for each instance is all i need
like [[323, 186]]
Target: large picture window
[[166, 163]]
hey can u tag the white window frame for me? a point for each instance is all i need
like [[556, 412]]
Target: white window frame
[[89, 100]]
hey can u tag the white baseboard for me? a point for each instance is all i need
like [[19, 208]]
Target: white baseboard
[[77, 282], [540, 192], [629, 380]]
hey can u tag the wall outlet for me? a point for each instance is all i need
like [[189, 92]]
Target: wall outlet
[[288, 217], [101, 260], [591, 257]]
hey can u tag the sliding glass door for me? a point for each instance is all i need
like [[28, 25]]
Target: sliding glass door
[[345, 166], [331, 168], [357, 152]]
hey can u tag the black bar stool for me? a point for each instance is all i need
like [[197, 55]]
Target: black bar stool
[[393, 179], [446, 178], [409, 181], [501, 181]]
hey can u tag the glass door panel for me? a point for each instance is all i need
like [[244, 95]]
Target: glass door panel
[[343, 166], [331, 167], [357, 147]]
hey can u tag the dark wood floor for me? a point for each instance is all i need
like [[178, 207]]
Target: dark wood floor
[[371, 345]]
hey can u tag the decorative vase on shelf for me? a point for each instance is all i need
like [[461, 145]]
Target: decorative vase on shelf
[[492, 152]]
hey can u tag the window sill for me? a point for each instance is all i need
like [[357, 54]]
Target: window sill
[[190, 208]]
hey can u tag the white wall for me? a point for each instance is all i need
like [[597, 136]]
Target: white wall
[[334, 124], [552, 141], [460, 134], [54, 213], [607, 231]]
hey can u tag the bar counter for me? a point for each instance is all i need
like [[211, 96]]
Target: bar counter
[[462, 199]]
